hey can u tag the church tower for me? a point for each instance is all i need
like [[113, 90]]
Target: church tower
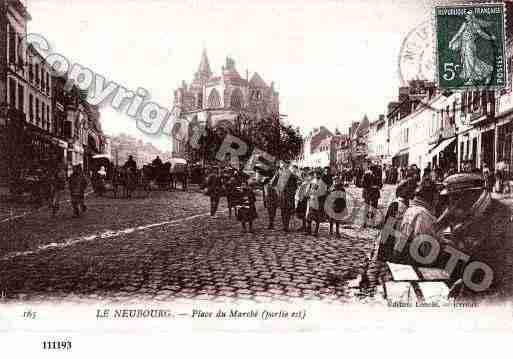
[[201, 77]]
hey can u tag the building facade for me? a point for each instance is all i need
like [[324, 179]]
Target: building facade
[[40, 124], [224, 100], [378, 140], [428, 127], [316, 151]]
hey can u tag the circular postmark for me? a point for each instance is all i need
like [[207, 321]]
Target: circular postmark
[[416, 57]]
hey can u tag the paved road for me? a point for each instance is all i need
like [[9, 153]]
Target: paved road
[[166, 246]]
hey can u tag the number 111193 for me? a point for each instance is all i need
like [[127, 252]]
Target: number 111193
[[57, 345]]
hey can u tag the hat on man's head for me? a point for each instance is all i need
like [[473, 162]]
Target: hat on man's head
[[406, 188], [462, 182], [426, 189]]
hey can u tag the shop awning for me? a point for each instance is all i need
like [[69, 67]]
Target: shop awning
[[401, 153], [102, 155], [441, 146]]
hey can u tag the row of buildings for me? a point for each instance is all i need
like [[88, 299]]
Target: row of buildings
[[426, 127], [322, 148], [430, 127], [123, 145], [40, 122]]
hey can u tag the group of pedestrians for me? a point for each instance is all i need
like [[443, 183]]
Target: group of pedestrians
[[295, 192], [52, 186]]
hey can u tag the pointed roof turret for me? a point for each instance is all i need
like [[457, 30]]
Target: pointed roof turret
[[257, 81], [204, 67]]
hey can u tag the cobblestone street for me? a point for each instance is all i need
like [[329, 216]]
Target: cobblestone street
[[166, 246]]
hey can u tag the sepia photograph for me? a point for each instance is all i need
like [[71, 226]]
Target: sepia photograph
[[223, 166]]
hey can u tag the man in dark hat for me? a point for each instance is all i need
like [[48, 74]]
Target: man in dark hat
[[285, 183], [214, 190], [419, 219], [478, 225], [130, 164]]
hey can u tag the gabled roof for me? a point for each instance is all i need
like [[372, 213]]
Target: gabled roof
[[257, 81]]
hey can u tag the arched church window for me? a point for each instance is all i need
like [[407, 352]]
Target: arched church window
[[236, 99], [214, 100], [199, 100]]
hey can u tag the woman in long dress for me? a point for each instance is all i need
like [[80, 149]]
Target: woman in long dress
[[315, 205], [472, 67]]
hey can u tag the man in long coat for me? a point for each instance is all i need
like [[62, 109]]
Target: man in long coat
[[285, 183]]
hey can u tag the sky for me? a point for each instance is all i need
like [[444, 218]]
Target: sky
[[331, 60]]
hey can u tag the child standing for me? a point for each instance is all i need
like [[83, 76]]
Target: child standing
[[339, 206], [247, 213]]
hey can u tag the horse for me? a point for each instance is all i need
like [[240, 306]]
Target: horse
[[127, 179], [164, 176]]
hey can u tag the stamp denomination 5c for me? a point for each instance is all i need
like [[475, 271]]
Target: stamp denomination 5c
[[470, 46]]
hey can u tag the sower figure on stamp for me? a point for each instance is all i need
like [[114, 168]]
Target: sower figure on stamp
[[473, 68]]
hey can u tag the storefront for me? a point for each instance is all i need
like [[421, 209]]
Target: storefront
[[444, 154], [401, 158], [505, 143], [488, 148]]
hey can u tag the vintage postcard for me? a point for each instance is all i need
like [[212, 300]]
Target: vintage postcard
[[174, 168]]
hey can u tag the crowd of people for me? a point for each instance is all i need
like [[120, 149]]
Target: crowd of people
[[49, 183], [457, 209], [451, 207], [459, 213], [295, 192]]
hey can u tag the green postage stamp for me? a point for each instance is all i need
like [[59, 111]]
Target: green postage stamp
[[470, 46]]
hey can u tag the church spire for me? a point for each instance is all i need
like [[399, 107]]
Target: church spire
[[204, 67]]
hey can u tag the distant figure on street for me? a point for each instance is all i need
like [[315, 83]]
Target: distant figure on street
[[427, 171], [500, 175], [247, 212], [232, 192], [130, 164], [327, 177], [57, 185], [99, 178], [77, 187], [214, 190], [371, 185], [157, 162]]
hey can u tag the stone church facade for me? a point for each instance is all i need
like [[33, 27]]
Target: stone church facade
[[223, 100]]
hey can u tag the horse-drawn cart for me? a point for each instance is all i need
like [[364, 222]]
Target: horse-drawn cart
[[118, 180], [178, 172]]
